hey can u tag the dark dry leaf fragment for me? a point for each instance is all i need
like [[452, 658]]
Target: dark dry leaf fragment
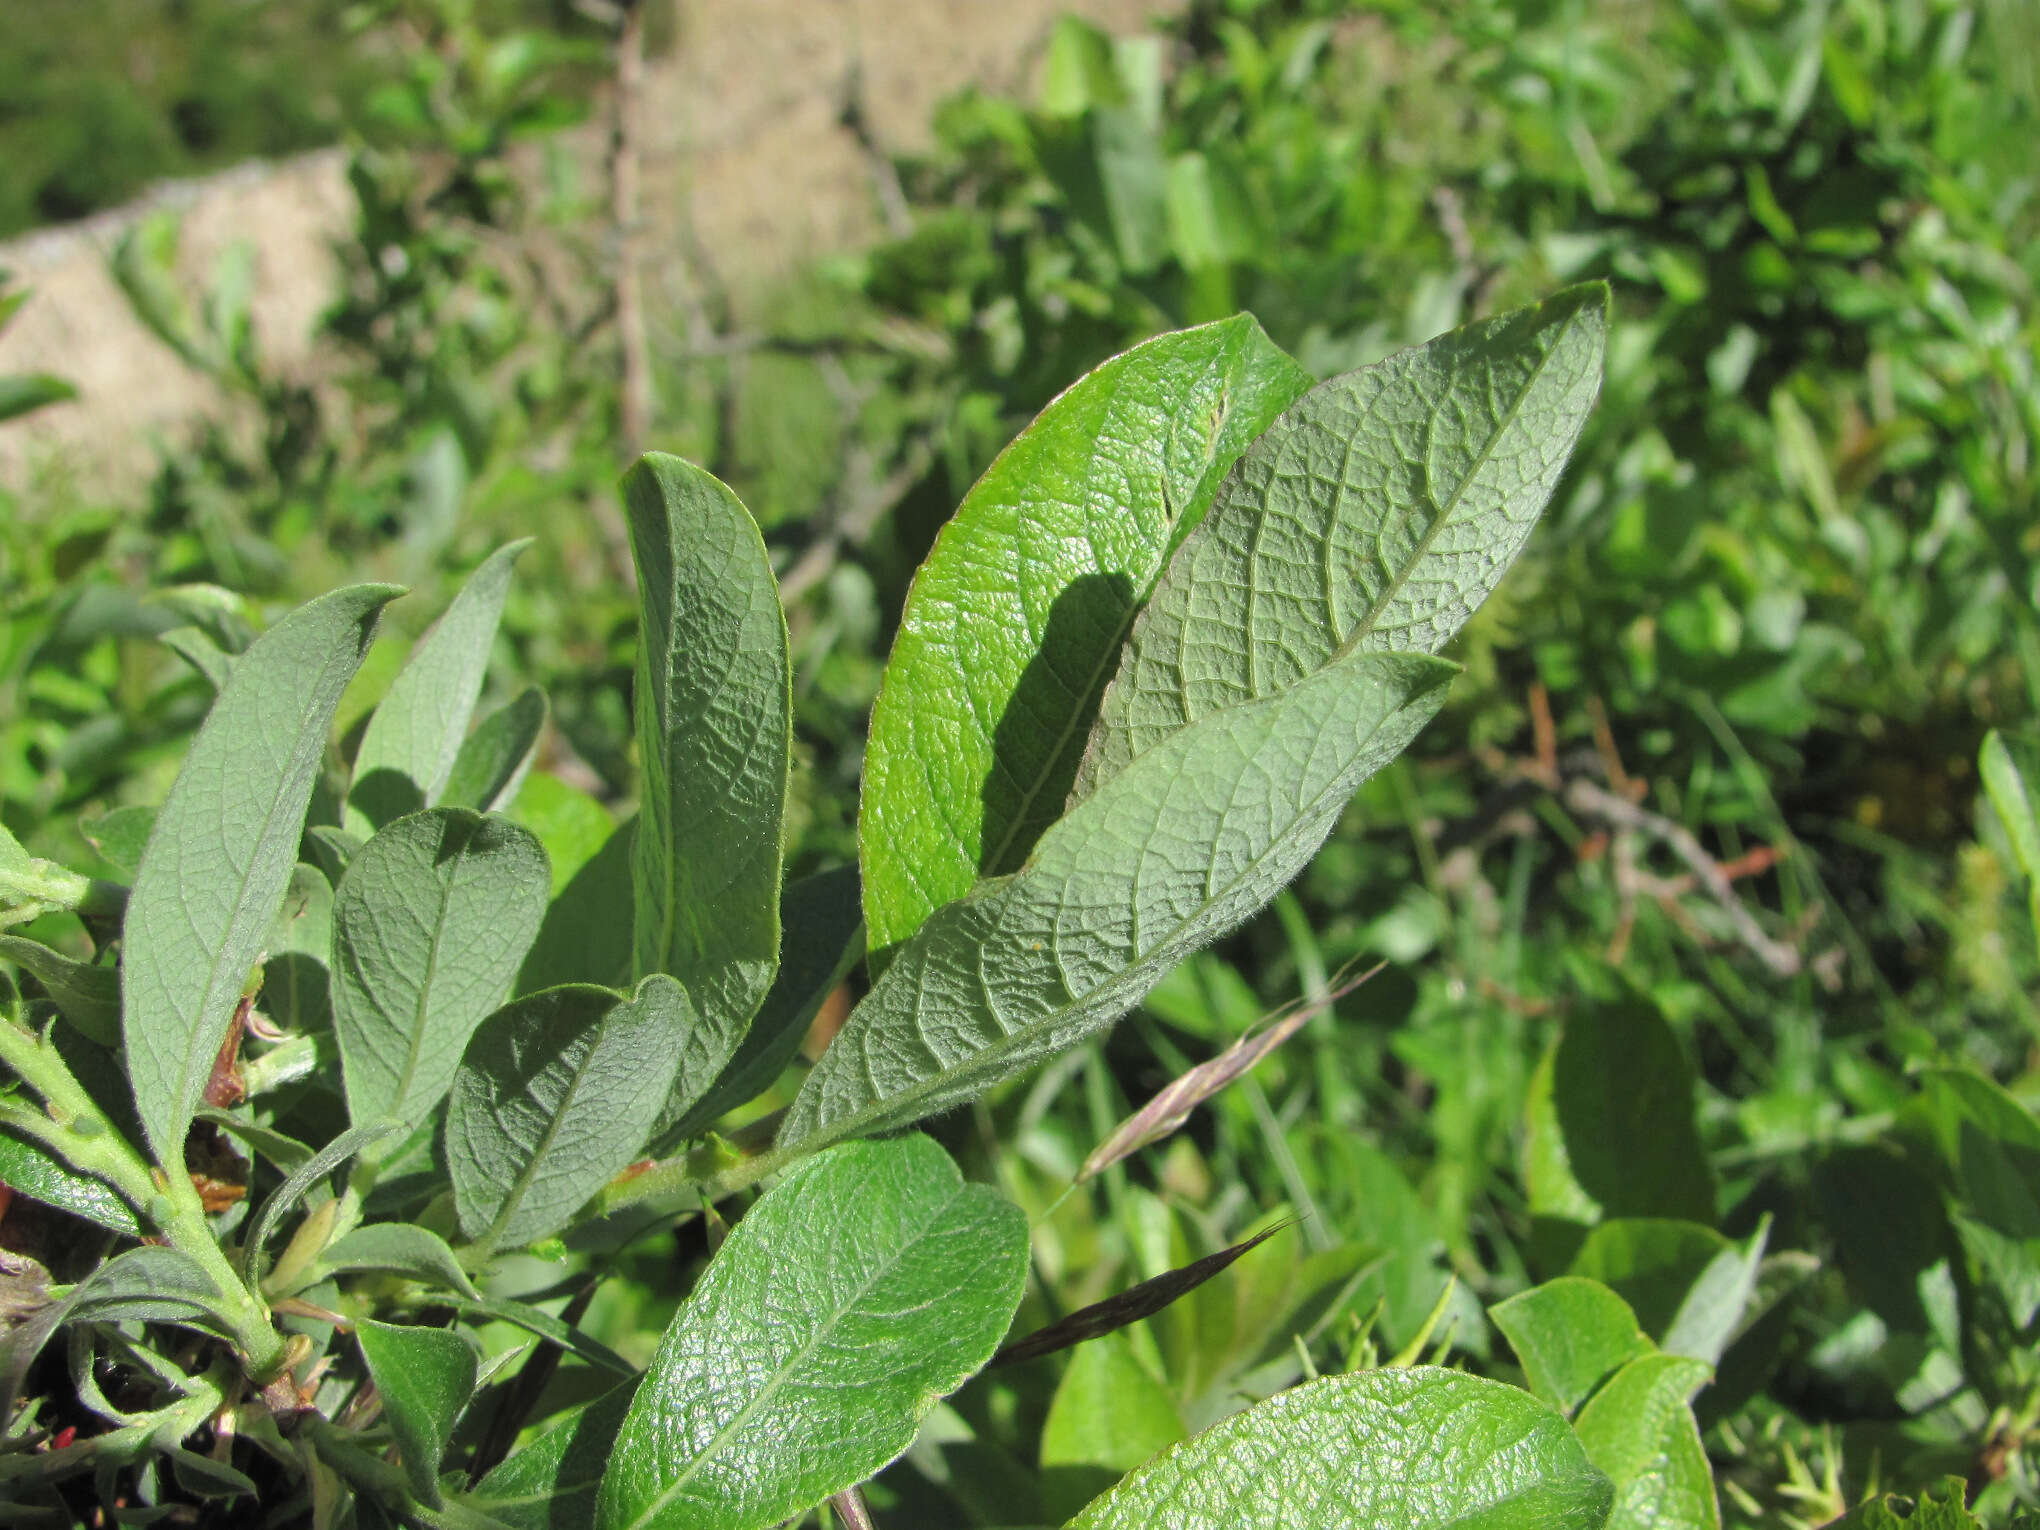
[[1129, 1306]]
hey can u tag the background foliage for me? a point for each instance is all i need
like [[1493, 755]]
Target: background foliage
[[1693, 865]]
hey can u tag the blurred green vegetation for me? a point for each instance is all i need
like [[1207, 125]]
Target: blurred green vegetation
[[1703, 812], [101, 98]]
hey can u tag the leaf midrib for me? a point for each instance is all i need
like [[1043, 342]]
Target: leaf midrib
[[522, 1184], [1451, 507], [979, 1060], [770, 1388]]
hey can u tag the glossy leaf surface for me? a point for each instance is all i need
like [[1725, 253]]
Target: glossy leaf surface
[[1415, 1449], [1015, 621], [861, 1288]]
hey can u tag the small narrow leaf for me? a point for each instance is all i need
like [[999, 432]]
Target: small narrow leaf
[[87, 996], [425, 1376], [430, 924], [1374, 516], [862, 1287], [150, 1285], [1129, 1306], [222, 850], [1569, 1335], [1015, 621], [557, 1094], [824, 938], [23, 392], [1158, 864], [536, 1320], [714, 729], [1411, 1449], [414, 736], [296, 986], [398, 1248], [299, 1184], [30, 1169], [1639, 1430], [494, 758]]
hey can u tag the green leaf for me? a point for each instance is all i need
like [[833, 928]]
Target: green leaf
[[398, 1248], [1015, 621], [1108, 1410], [150, 1285], [425, 1376], [85, 995], [1944, 1506], [1569, 1335], [1411, 1449], [296, 986], [1640, 1431], [1158, 863], [298, 1184], [558, 1093], [867, 1283], [490, 767], [537, 1320], [430, 924], [550, 1484], [824, 938], [29, 1168], [1623, 1092], [1688, 1285], [25, 392], [222, 850], [586, 933], [714, 731], [414, 736], [1374, 516], [119, 837], [285, 1153], [570, 824]]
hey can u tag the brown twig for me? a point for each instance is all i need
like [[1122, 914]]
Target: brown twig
[[1590, 800]]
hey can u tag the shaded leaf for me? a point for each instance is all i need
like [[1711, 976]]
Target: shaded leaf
[[1108, 1410], [1156, 865], [586, 934], [1015, 621], [119, 837], [25, 392], [222, 850], [558, 1093], [867, 1283], [550, 1484], [493, 759], [87, 996], [536, 1320], [31, 1169], [824, 923], [1623, 1093], [425, 1376], [398, 1248], [1942, 1507], [430, 925], [714, 729], [299, 1183], [150, 1285]]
